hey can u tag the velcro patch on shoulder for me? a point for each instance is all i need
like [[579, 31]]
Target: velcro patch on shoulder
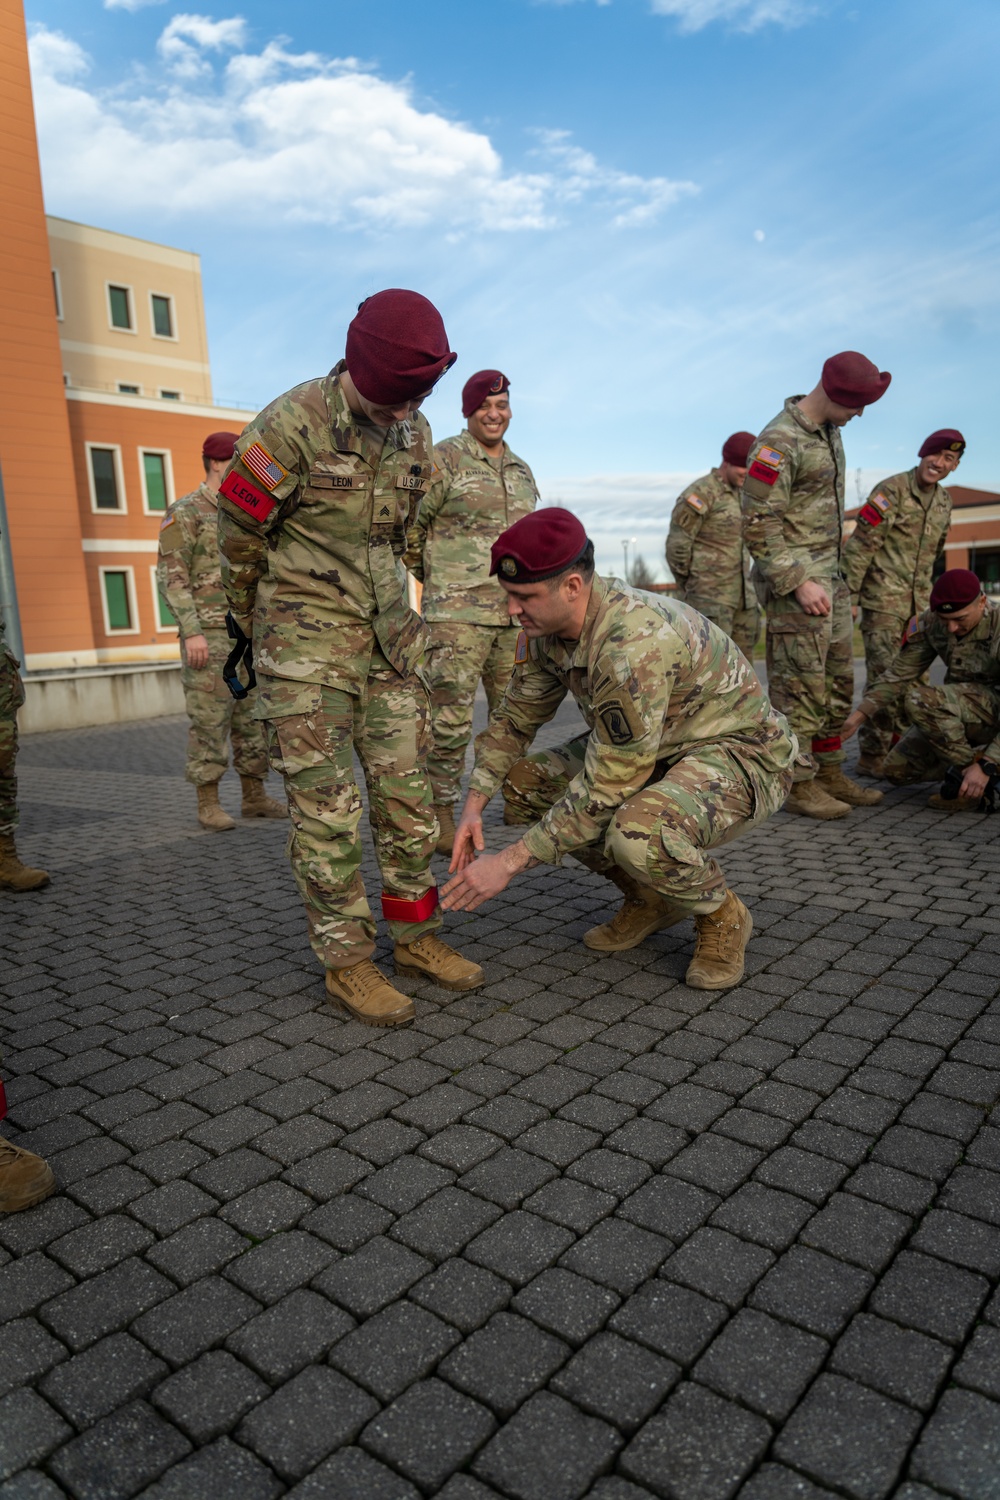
[[171, 535], [762, 472], [263, 465], [521, 649], [696, 501], [870, 514], [880, 500], [617, 720], [914, 628], [247, 496], [771, 456]]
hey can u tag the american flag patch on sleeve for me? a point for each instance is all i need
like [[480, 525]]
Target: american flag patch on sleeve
[[771, 456], [880, 500], [696, 501], [267, 469]]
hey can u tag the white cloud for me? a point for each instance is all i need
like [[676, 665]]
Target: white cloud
[[744, 15], [274, 136]]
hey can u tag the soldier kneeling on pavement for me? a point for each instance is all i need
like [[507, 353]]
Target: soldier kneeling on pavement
[[956, 727], [683, 750]]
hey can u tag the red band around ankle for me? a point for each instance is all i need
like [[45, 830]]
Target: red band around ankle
[[823, 747], [396, 909]]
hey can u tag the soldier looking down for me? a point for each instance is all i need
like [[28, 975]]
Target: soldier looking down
[[705, 550], [312, 519], [793, 514], [682, 752], [189, 577], [888, 563], [479, 488], [954, 728]]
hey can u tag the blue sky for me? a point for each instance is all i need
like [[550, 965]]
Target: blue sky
[[657, 216]]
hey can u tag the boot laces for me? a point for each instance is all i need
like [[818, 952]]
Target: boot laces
[[366, 978], [716, 937], [9, 1152], [430, 946]]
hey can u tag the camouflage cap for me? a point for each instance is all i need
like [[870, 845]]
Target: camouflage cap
[[397, 348], [484, 383], [852, 380], [955, 590], [538, 546], [945, 440]]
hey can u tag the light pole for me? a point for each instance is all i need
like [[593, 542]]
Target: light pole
[[627, 541]]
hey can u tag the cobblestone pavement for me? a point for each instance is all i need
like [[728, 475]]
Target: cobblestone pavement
[[586, 1232]]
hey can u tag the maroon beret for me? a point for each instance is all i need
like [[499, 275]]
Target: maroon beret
[[945, 440], [851, 380], [736, 449], [955, 590], [538, 546], [220, 445], [397, 347], [484, 383]]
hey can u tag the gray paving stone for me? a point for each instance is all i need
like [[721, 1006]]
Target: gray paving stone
[[504, 1362], [718, 1264], [347, 1222], [30, 1484], [105, 1303], [429, 1432], [775, 1482], [617, 1254], [762, 1363], [281, 1264], [979, 1367], [223, 1468], [519, 1246], [857, 1231], [27, 1351], [461, 1147], [197, 1250], [313, 1413], [926, 1294], [464, 1294], [575, 1205], [393, 1348], [108, 1374], [849, 1436], [671, 1320], [548, 1451], [293, 1333], [959, 1449], [896, 1361], [196, 1319], [812, 1290], [266, 1210], [120, 1455], [507, 1177], [697, 1446], [567, 1305], [615, 1379], [28, 1283], [353, 1474], [208, 1397], [29, 1430], [373, 1276], [610, 1171], [962, 1241], [403, 1184], [763, 1214]]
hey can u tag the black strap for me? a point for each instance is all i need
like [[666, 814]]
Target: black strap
[[241, 652]]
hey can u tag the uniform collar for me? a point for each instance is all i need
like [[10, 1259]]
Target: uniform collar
[[350, 435], [922, 496], [794, 410], [574, 654], [475, 447], [206, 494]]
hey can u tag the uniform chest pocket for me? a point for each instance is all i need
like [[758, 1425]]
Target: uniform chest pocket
[[337, 500]]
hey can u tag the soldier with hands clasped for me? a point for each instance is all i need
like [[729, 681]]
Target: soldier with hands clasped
[[683, 751], [313, 514]]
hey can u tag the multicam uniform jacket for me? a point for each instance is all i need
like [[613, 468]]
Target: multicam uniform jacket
[[705, 550], [793, 506], [972, 661], [313, 513], [473, 498], [654, 681], [889, 560], [188, 572]]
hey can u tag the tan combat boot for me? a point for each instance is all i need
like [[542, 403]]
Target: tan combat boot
[[642, 912], [954, 804], [871, 765], [445, 815], [210, 814], [721, 941], [428, 957], [25, 1179], [14, 875], [809, 800], [842, 789], [256, 802], [365, 993]]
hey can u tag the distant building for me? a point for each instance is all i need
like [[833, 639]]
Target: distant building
[[105, 399], [974, 534]]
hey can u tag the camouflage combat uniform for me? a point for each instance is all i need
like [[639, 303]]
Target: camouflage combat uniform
[[684, 751], [473, 497], [311, 566], [190, 579], [793, 516], [706, 555], [888, 563], [947, 723], [11, 699]]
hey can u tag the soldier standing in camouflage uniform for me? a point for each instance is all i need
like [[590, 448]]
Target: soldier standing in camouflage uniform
[[793, 511], [479, 488], [14, 876], [312, 520], [888, 563], [956, 726], [190, 579], [705, 550], [684, 751]]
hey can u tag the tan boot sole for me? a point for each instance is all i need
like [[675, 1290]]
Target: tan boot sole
[[35, 1192], [398, 1018], [865, 797], [413, 971], [802, 811], [725, 984], [14, 883], [617, 945]]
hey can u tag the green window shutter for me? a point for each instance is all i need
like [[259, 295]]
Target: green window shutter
[[162, 321], [116, 597], [121, 312], [102, 467], [154, 467]]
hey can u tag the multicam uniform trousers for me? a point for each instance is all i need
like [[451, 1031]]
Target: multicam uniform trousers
[[216, 715], [810, 674], [659, 836], [11, 699], [948, 724], [458, 655], [881, 645], [311, 734]]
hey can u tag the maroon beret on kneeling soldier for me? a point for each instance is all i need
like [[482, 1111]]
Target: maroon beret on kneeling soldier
[[538, 546]]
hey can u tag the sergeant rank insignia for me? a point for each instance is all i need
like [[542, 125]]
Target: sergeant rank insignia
[[267, 469]]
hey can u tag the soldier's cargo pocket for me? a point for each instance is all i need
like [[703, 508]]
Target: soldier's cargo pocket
[[11, 686], [797, 643]]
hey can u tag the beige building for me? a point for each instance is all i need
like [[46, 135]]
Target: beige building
[[130, 314]]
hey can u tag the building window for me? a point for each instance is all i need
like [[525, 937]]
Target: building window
[[57, 293], [118, 599], [128, 390], [156, 486], [163, 316], [170, 395], [106, 489], [165, 617], [985, 563], [120, 307]]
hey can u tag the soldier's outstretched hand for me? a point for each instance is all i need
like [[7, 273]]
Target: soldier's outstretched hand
[[469, 838], [852, 724]]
